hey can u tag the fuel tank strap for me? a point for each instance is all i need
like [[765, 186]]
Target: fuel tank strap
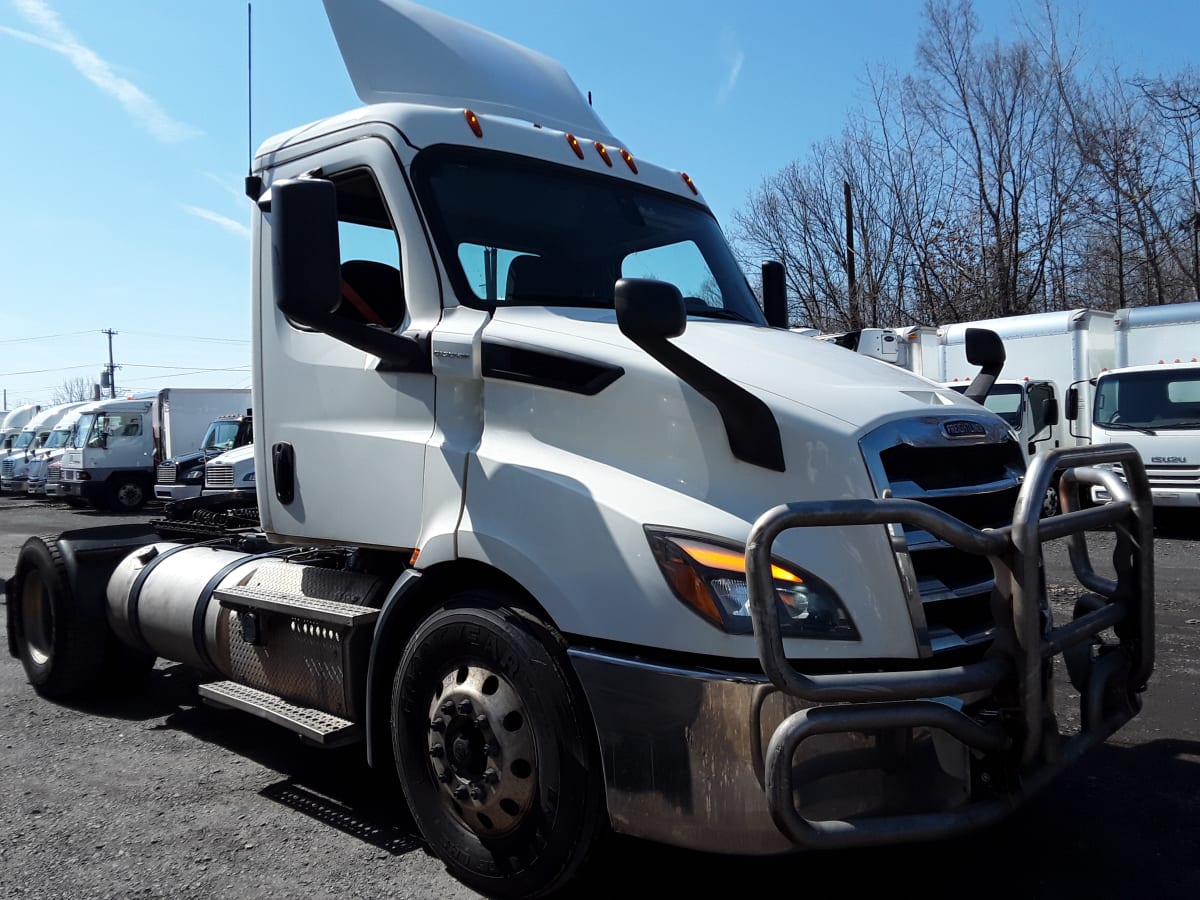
[[200, 613], [135, 593]]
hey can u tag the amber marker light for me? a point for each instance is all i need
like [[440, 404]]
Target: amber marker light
[[603, 153], [473, 121], [718, 558], [628, 157], [571, 139], [687, 179]]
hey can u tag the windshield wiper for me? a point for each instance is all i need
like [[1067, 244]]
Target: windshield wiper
[[716, 312], [1127, 426]]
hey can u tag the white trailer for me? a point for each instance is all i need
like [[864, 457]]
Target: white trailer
[[645, 545], [1150, 398]]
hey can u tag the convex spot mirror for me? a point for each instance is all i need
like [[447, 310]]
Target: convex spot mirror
[[648, 309]]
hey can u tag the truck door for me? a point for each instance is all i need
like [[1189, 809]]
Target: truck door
[[353, 434]]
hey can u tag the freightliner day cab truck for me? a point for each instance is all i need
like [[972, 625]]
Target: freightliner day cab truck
[[573, 549], [15, 468], [181, 477]]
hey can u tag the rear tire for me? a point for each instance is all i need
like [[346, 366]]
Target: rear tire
[[61, 643], [495, 748]]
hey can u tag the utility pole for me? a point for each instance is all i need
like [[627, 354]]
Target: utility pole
[[112, 370]]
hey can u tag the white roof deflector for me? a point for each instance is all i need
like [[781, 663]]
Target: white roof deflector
[[397, 51]]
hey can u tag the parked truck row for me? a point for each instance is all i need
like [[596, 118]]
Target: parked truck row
[[1079, 378], [563, 529]]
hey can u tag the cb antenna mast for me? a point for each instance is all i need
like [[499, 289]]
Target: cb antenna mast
[[253, 182]]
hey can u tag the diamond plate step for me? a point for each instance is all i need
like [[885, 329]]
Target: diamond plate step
[[311, 724], [346, 615]]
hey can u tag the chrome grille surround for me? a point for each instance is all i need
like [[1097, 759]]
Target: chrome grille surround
[[7, 468], [975, 476], [166, 473], [218, 476]]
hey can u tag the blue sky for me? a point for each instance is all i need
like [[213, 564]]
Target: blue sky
[[127, 138]]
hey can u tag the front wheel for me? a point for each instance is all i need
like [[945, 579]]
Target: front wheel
[[126, 494], [495, 748]]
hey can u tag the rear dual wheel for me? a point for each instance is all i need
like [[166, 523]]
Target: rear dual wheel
[[496, 749]]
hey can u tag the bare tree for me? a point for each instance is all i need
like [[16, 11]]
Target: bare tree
[[73, 390]]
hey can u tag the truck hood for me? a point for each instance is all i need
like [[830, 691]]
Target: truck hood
[[780, 366], [1166, 447]]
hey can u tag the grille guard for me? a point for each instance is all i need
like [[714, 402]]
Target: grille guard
[[1029, 745]]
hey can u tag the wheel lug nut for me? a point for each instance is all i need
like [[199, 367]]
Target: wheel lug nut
[[460, 792], [438, 724], [443, 776], [464, 707], [491, 776], [437, 751], [491, 749], [448, 707], [476, 792], [481, 720]]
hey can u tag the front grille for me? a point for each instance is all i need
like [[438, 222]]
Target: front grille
[[975, 482], [1168, 476], [218, 476], [166, 473], [54, 473], [7, 468]]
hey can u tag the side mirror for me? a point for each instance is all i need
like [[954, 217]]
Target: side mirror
[[306, 259], [986, 350], [774, 294], [1050, 411], [1072, 410], [649, 309]]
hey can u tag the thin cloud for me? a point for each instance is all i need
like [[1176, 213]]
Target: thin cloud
[[732, 57], [55, 36], [241, 229], [226, 185]]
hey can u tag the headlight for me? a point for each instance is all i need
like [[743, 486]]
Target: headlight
[[196, 474], [709, 576], [248, 478]]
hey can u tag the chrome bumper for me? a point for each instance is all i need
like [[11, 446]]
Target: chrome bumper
[[765, 764]]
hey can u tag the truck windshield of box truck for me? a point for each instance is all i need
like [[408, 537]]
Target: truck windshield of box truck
[[1155, 399]]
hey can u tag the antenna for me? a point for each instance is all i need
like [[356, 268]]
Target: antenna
[[253, 182]]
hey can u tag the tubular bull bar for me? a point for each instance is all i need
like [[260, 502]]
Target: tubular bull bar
[[1020, 730]]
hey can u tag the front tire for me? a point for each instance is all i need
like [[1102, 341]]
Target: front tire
[[495, 748], [126, 494]]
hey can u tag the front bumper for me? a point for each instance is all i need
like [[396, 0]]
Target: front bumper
[[86, 490], [772, 763], [171, 492]]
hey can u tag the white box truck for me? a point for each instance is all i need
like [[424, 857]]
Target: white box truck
[[1150, 398], [14, 468], [112, 461], [571, 549]]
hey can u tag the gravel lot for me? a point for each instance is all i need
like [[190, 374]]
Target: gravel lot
[[157, 795]]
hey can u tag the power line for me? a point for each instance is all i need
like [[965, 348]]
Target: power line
[[40, 371], [190, 337], [45, 337]]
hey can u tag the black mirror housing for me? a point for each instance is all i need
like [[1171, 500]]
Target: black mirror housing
[[305, 258], [1050, 411], [649, 309], [1072, 410], [774, 294]]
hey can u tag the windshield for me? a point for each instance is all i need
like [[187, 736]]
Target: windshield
[[58, 438], [1005, 400], [220, 436], [1155, 399], [24, 439], [82, 427], [518, 232]]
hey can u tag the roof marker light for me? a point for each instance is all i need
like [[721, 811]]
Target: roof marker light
[[473, 121], [687, 179], [603, 153], [628, 157], [575, 145]]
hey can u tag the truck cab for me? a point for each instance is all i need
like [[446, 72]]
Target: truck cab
[[183, 476], [15, 468], [51, 452]]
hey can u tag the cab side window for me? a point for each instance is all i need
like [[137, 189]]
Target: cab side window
[[372, 286]]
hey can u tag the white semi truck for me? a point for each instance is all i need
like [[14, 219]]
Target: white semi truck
[[113, 459], [38, 482], [1150, 398], [14, 468], [13, 423], [570, 549]]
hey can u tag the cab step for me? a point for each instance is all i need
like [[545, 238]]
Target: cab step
[[314, 609], [312, 725]]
